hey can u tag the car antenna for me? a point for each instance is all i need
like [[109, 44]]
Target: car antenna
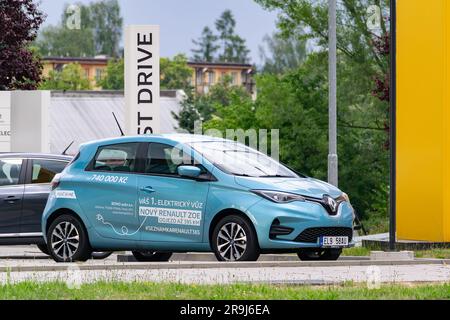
[[67, 149], [118, 124]]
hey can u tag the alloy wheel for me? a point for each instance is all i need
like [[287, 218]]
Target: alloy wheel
[[231, 241], [65, 240]]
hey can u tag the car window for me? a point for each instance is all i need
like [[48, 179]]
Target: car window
[[165, 159], [10, 171], [117, 158], [44, 170]]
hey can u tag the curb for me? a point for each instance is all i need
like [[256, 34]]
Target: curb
[[216, 265]]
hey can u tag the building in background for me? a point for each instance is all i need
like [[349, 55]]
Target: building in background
[[207, 74], [83, 116], [94, 68]]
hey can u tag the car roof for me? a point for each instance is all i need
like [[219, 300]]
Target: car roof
[[173, 137], [35, 155]]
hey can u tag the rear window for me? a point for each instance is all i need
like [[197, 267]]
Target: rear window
[[116, 158], [45, 170]]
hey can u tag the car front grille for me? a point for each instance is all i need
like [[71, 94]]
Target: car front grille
[[312, 235]]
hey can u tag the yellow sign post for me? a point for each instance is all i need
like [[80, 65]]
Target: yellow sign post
[[423, 120]]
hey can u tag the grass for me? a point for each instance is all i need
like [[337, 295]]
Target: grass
[[154, 291], [356, 251], [436, 253]]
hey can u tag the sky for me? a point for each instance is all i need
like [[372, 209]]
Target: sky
[[183, 20]]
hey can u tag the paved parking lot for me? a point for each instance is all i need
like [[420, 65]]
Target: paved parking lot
[[27, 263]]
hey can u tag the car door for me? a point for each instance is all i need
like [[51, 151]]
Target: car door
[[40, 173], [171, 208], [11, 195], [109, 191]]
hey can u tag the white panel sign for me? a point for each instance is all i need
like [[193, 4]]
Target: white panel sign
[[5, 121], [30, 121], [142, 87]]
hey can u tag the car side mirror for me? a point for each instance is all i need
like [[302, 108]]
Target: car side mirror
[[189, 171]]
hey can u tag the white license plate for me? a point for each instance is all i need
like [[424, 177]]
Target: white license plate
[[333, 241]]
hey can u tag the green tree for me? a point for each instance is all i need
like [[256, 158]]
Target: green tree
[[206, 46], [233, 46], [100, 32], [106, 22], [295, 104], [71, 77], [175, 73], [63, 42], [280, 54], [114, 77], [204, 107]]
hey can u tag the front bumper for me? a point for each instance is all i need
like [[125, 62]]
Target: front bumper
[[299, 224]]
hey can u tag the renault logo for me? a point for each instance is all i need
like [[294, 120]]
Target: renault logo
[[330, 202]]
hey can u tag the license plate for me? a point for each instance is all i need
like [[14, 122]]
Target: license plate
[[333, 241]]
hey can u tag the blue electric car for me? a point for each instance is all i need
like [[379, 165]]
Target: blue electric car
[[159, 194]]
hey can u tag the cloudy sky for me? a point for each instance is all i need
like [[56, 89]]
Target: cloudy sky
[[183, 20]]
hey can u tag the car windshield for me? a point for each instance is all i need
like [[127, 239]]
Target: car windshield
[[237, 159]]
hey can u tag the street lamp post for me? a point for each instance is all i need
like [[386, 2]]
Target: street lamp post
[[392, 127], [332, 136]]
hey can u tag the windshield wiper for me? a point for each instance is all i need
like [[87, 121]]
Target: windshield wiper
[[276, 176]]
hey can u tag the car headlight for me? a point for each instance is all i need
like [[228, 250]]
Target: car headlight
[[279, 197], [345, 197]]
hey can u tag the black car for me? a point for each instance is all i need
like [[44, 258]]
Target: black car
[[25, 184]]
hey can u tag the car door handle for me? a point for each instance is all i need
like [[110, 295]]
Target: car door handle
[[12, 199], [148, 190]]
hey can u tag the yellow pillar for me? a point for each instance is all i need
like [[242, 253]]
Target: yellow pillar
[[423, 120]]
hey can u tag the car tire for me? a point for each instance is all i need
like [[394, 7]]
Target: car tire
[[76, 246], [234, 239], [100, 255], [151, 256], [319, 254], [43, 248]]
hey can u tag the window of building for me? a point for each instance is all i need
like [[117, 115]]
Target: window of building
[[211, 78], [117, 158], [234, 78], [45, 170], [86, 73], [10, 172], [199, 77], [98, 74]]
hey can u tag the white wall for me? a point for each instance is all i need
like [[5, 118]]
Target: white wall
[[30, 121], [5, 121]]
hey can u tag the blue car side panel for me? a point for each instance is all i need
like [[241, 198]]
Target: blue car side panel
[[110, 203]]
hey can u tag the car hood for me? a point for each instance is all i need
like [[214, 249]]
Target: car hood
[[303, 186]]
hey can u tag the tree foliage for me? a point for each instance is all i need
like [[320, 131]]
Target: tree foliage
[[100, 32], [204, 107], [71, 77], [206, 46], [19, 24], [280, 54], [175, 73], [114, 77], [231, 47]]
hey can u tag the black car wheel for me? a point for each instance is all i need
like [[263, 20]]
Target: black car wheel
[[67, 240], [151, 256], [43, 248], [101, 255], [234, 239], [319, 254]]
